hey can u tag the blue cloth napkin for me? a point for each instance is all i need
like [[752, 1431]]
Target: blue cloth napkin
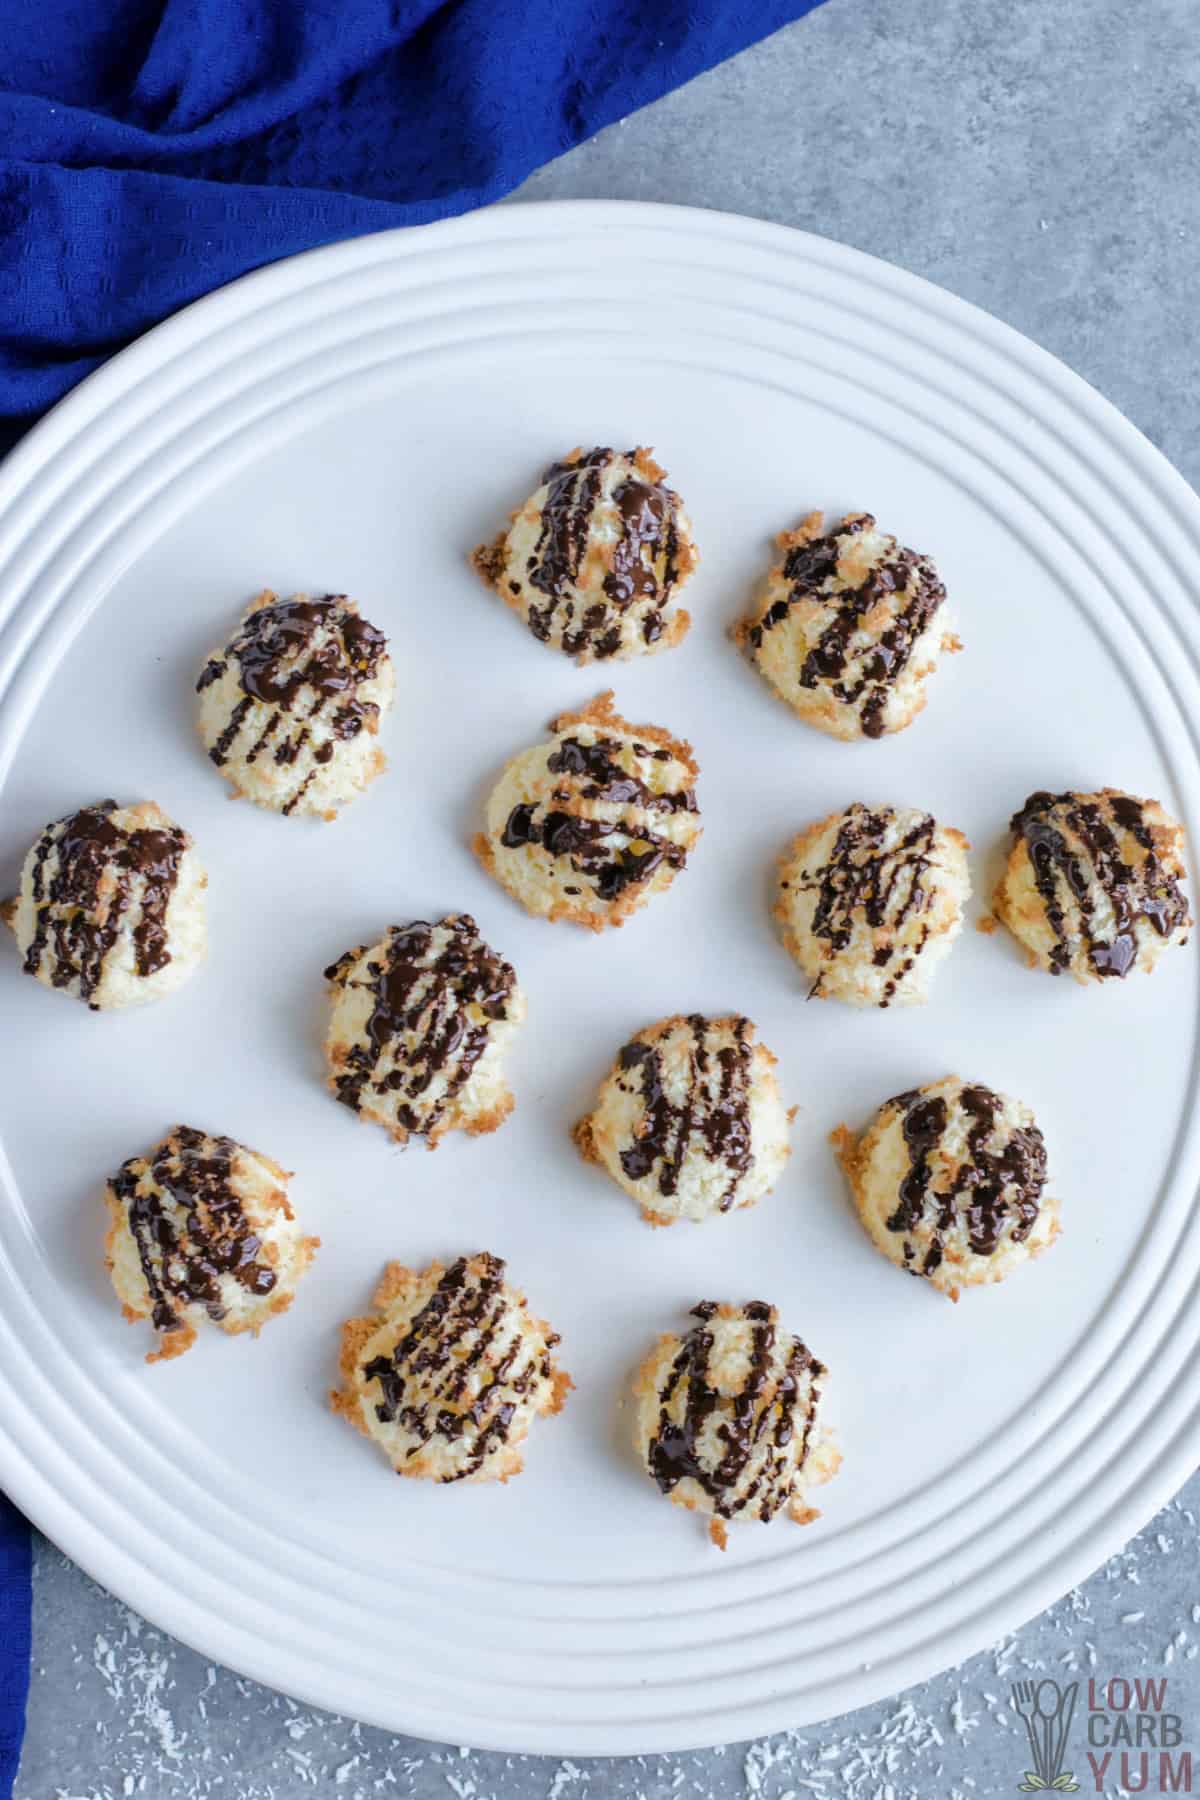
[[151, 150], [14, 1639]]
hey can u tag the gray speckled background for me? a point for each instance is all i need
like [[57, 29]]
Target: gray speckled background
[[1042, 158]]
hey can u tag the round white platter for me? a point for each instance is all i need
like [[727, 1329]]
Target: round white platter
[[356, 420]]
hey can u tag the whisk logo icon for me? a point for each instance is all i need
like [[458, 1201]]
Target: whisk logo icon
[[1047, 1711]]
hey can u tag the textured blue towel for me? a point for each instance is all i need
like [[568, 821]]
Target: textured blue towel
[[14, 1639], [151, 150]]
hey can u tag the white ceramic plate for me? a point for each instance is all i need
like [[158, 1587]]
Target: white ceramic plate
[[356, 420]]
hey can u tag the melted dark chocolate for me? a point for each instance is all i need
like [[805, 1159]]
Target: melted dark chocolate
[[863, 880], [602, 777], [647, 511], [714, 1115], [279, 659], [591, 772], [574, 488], [1072, 843], [757, 1424], [80, 910], [430, 993], [191, 1230], [995, 1193], [422, 1383], [857, 676], [648, 516]]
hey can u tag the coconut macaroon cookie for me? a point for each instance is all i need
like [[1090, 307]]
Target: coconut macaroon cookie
[[594, 559], [201, 1228], [870, 901], [1091, 887], [589, 825], [948, 1181], [419, 1028], [450, 1371], [690, 1121], [727, 1419], [290, 708], [111, 906], [848, 627]]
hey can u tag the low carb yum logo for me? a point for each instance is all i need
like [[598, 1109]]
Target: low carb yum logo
[[1134, 1741]]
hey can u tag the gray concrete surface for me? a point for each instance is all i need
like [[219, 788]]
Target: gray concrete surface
[[1039, 157]]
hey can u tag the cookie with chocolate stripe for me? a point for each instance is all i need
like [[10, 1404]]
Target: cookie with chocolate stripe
[[1092, 886], [290, 708], [420, 1023], [110, 907], [728, 1418], [201, 1231], [449, 1372], [870, 901], [949, 1181], [848, 627], [595, 559], [590, 824], [690, 1121]]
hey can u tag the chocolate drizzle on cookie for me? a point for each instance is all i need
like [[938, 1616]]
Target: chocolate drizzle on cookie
[[573, 489], [868, 880], [464, 1366], [643, 567], [306, 660], [993, 1188], [440, 987], [713, 1116], [903, 584], [1094, 886], [189, 1226], [612, 854], [753, 1471], [102, 876]]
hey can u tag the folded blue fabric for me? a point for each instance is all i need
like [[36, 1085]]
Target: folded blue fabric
[[151, 150], [14, 1639]]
